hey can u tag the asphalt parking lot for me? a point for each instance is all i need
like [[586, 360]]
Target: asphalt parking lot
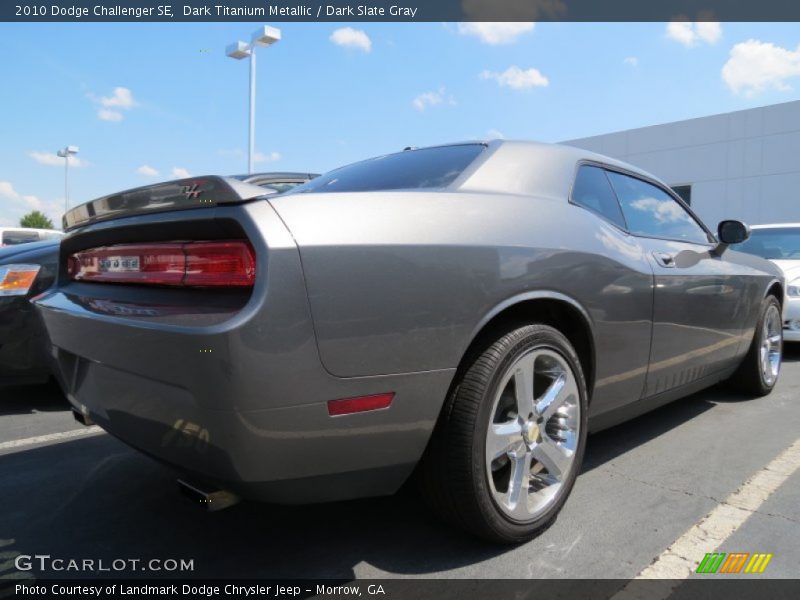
[[644, 484]]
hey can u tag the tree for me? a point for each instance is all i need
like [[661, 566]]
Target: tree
[[36, 220]]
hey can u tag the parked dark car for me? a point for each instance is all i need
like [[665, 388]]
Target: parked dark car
[[467, 312], [25, 271], [24, 350]]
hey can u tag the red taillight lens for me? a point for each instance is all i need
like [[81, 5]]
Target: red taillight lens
[[196, 264], [348, 406]]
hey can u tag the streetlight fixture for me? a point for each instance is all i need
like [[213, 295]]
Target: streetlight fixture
[[65, 153], [264, 36]]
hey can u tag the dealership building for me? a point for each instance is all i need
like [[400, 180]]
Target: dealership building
[[741, 165]]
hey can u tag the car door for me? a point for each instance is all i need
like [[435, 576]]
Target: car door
[[698, 301]]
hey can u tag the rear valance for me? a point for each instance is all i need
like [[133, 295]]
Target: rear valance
[[194, 192]]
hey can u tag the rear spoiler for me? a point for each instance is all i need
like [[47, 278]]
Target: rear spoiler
[[194, 192]]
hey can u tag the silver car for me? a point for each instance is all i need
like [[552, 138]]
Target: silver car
[[463, 313]]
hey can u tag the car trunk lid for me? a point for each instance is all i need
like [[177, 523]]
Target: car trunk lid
[[193, 192]]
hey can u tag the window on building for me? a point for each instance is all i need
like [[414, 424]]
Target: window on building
[[593, 191], [685, 192]]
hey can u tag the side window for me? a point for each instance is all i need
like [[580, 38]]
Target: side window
[[652, 212], [593, 191]]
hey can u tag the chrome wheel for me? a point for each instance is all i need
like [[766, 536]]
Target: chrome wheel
[[533, 434], [771, 345]]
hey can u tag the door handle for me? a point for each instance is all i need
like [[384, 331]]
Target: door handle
[[664, 259]]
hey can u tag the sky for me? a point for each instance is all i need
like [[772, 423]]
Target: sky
[[152, 102]]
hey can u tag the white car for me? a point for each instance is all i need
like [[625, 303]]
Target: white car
[[780, 243], [11, 236]]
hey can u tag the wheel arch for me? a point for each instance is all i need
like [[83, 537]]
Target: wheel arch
[[546, 307], [775, 288]]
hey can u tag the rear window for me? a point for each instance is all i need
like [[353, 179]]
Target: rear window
[[426, 168], [12, 238]]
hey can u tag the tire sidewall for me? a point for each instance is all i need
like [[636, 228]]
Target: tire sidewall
[[514, 345]]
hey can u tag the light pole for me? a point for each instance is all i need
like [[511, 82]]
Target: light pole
[[264, 36], [65, 153]]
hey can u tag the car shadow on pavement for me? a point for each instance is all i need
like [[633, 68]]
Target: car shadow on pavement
[[791, 352], [97, 498], [32, 398]]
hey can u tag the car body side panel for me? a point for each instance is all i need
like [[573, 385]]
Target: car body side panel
[[397, 285]]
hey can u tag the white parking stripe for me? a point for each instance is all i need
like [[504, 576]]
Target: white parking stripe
[[681, 559], [62, 436]]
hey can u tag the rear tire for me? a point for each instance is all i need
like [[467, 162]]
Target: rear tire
[[510, 441], [759, 371]]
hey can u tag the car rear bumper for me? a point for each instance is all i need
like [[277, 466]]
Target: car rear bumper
[[289, 454], [237, 399]]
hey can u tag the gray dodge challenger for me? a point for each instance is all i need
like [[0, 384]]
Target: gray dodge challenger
[[463, 314]]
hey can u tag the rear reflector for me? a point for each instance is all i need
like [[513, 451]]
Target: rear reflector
[[188, 264], [16, 280], [348, 406]]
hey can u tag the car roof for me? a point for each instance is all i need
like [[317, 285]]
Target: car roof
[[527, 167]]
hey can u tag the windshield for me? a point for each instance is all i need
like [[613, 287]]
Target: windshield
[[427, 168], [12, 238], [779, 243]]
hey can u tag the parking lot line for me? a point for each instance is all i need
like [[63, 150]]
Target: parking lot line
[[681, 559], [62, 436]]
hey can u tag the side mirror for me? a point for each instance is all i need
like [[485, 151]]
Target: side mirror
[[731, 232]]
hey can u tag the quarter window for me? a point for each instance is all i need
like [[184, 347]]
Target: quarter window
[[593, 191], [652, 212]]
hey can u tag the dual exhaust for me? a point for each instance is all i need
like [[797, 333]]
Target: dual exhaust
[[211, 500]]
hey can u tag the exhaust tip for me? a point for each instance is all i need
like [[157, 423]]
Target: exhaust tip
[[82, 418], [210, 500]]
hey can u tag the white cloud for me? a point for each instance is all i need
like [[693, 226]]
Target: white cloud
[[13, 205], [352, 38], [180, 173], [110, 107], [429, 99], [7, 190], [495, 134], [53, 160], [121, 98], [754, 66], [631, 61], [690, 34], [106, 114], [495, 34], [147, 171], [269, 157], [517, 78]]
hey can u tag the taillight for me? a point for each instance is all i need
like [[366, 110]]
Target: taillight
[[16, 280], [194, 264], [348, 406]]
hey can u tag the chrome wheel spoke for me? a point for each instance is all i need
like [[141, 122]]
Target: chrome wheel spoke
[[553, 458], [519, 485], [503, 438], [523, 385], [553, 397]]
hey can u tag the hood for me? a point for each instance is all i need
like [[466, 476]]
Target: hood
[[33, 249], [790, 268]]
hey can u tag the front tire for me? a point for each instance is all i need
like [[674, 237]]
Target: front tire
[[510, 441], [758, 373]]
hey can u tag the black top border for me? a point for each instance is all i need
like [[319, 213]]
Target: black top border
[[397, 10]]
